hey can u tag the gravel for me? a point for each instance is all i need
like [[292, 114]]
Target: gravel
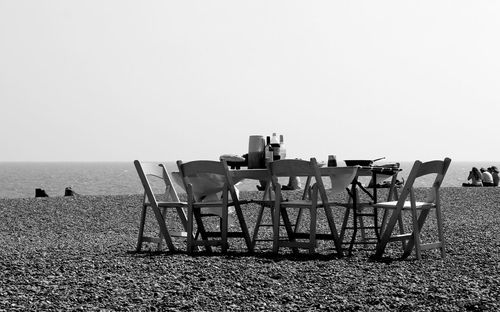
[[78, 254]]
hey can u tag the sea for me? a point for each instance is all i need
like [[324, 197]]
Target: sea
[[20, 179]]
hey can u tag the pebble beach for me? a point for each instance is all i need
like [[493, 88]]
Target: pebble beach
[[78, 254]]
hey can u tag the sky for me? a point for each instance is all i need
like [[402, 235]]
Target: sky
[[164, 80]]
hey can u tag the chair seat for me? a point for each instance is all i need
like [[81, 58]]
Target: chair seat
[[216, 203], [407, 205], [263, 202], [301, 203], [172, 204]]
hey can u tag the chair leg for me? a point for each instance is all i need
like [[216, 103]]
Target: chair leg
[[201, 228], [163, 227], [305, 195], [288, 227], [411, 242], [190, 239], [383, 222], [392, 195], [312, 230], [276, 228], [361, 223], [141, 228], [386, 234], [354, 230], [337, 240], [345, 222], [257, 226], [298, 220], [223, 229], [244, 228], [402, 230], [416, 234], [160, 243], [182, 216], [440, 230]]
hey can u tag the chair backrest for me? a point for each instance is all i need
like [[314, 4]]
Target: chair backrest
[[297, 168], [421, 169], [148, 171], [206, 177], [291, 167]]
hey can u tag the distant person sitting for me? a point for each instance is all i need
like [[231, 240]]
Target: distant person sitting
[[40, 193], [494, 173], [486, 177], [475, 176], [68, 191]]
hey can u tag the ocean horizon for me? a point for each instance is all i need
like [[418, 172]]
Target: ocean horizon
[[20, 179]]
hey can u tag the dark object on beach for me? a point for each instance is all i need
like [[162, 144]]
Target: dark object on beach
[[69, 192], [40, 193], [293, 184]]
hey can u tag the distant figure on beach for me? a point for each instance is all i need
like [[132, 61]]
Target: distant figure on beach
[[475, 176], [69, 192], [293, 184], [40, 193], [494, 173], [486, 177]]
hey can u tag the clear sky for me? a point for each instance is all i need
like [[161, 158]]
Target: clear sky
[[165, 80]]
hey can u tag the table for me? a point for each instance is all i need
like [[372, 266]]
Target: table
[[356, 186]]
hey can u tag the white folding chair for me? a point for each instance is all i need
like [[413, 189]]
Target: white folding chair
[[318, 199], [362, 206], [202, 179], [418, 203], [149, 172]]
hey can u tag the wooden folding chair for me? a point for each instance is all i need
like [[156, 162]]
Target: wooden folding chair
[[362, 209], [202, 179], [148, 171], [419, 210], [318, 199]]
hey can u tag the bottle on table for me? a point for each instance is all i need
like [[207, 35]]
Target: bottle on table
[[282, 148], [276, 146], [268, 151]]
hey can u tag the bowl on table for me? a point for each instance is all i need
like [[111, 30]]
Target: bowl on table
[[361, 162], [358, 162], [235, 161]]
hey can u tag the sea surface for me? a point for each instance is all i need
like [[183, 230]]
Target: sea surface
[[20, 179]]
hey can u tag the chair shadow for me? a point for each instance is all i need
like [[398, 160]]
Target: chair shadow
[[267, 256], [234, 255]]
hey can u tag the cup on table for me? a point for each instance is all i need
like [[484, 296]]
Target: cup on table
[[256, 146], [332, 161]]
